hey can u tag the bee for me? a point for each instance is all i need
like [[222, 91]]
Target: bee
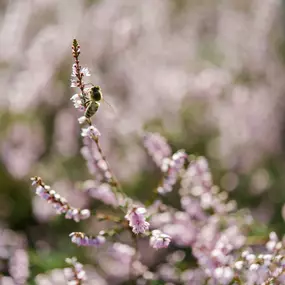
[[94, 96]]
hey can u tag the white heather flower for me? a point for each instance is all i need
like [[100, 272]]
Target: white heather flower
[[90, 132], [76, 273], [81, 120], [73, 82], [250, 258], [159, 239], [76, 100], [84, 214], [239, 265], [273, 241], [85, 71], [224, 275], [137, 221], [254, 267], [73, 73]]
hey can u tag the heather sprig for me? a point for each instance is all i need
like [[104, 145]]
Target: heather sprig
[[60, 204], [207, 220], [75, 274], [91, 131]]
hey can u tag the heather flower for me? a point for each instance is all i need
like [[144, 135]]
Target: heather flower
[[81, 120], [77, 102], [122, 252], [137, 221], [90, 132], [273, 243], [81, 239], [102, 192], [74, 70], [224, 275], [75, 274], [157, 147], [171, 169], [159, 239], [73, 82], [59, 203], [19, 266], [85, 71]]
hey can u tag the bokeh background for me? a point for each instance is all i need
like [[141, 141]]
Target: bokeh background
[[208, 75]]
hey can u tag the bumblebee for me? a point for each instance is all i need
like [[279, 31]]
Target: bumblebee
[[94, 96]]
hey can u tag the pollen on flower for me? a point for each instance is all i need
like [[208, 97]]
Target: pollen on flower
[[137, 221]]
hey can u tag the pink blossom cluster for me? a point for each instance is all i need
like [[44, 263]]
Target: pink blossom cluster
[[204, 219], [81, 239], [157, 147], [74, 274], [59, 203], [171, 168], [137, 220]]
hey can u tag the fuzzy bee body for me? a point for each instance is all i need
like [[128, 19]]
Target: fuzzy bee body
[[91, 109], [94, 95]]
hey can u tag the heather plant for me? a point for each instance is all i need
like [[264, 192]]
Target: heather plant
[[202, 235], [208, 76]]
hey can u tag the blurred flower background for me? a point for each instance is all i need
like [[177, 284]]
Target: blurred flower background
[[208, 75]]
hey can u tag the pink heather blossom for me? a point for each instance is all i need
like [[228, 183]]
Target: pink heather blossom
[[59, 203], [75, 274], [82, 239], [157, 147], [103, 192], [171, 167], [224, 275], [122, 252], [19, 266], [159, 239], [137, 221], [90, 132]]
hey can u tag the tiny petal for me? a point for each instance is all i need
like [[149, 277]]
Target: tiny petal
[[137, 220], [159, 239], [76, 100], [84, 214], [68, 214], [40, 190], [73, 82], [85, 71], [81, 121], [76, 215]]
